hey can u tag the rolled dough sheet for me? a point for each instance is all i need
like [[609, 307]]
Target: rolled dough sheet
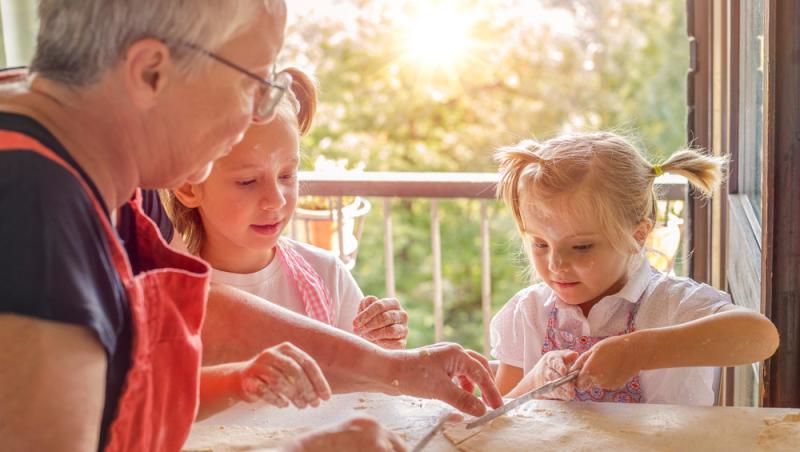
[[590, 427]]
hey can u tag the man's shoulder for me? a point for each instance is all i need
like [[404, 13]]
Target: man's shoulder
[[27, 177]]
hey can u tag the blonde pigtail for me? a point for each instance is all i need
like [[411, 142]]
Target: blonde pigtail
[[303, 97], [512, 162], [704, 172]]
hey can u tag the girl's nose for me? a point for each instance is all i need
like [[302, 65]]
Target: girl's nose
[[272, 198], [556, 263]]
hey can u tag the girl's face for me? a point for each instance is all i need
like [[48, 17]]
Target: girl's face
[[573, 257], [249, 198]]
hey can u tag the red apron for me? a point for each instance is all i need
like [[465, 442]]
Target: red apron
[[159, 399]]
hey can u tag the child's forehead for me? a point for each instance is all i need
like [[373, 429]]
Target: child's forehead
[[251, 152], [559, 220]]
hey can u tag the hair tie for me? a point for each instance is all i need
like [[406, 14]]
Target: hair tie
[[658, 170]]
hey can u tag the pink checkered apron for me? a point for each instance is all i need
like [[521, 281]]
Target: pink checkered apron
[[556, 339], [317, 301]]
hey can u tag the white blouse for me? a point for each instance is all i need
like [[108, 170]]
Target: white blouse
[[518, 330]]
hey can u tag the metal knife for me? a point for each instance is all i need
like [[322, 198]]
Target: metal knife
[[432, 432], [544, 389]]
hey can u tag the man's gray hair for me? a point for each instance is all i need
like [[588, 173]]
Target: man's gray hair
[[79, 40]]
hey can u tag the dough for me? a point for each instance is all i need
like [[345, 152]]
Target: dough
[[588, 427], [236, 438], [780, 433]]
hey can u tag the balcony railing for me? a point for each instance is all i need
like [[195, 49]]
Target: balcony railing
[[432, 186]]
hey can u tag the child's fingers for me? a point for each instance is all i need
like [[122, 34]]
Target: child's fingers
[[312, 372], [366, 301], [254, 389], [570, 358], [386, 318], [391, 332], [586, 378], [564, 392], [580, 361], [291, 379], [558, 368], [375, 308], [273, 398]]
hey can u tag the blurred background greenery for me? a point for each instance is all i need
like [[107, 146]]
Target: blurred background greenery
[[438, 86]]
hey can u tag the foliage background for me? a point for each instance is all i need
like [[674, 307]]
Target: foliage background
[[534, 68]]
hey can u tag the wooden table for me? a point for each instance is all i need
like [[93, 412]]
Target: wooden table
[[551, 425]]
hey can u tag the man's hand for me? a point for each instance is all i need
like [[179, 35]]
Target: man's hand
[[429, 372]]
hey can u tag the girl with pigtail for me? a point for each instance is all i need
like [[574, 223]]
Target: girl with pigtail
[[584, 205], [234, 221]]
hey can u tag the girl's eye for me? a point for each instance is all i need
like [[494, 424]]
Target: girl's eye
[[585, 247], [540, 245], [289, 176], [244, 183]]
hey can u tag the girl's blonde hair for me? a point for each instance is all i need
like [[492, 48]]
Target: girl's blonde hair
[[605, 177], [297, 108]]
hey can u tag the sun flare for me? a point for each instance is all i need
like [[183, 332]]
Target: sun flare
[[438, 35]]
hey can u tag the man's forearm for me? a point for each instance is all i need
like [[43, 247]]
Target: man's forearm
[[239, 325]]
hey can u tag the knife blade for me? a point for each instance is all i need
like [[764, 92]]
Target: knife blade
[[544, 389], [446, 416]]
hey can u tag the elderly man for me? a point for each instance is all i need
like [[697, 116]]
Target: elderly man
[[100, 339]]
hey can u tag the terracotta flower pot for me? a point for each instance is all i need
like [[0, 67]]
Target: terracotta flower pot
[[319, 227]]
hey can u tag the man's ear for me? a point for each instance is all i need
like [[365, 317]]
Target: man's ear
[[147, 65], [189, 195], [642, 231]]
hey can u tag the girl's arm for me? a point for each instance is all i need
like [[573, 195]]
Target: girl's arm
[[277, 374], [507, 377], [731, 337]]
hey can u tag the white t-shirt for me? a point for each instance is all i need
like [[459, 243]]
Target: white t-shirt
[[518, 330], [274, 284]]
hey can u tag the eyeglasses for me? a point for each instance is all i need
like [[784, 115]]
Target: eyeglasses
[[270, 91]]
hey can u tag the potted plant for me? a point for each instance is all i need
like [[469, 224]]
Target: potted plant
[[317, 218]]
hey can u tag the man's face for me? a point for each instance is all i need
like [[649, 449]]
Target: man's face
[[210, 112]]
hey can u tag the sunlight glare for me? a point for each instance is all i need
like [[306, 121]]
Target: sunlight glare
[[438, 35]]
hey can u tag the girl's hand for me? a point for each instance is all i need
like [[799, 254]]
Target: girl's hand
[[551, 366], [281, 373], [354, 434], [610, 363], [382, 322]]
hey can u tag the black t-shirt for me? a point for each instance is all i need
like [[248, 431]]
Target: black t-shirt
[[54, 257]]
